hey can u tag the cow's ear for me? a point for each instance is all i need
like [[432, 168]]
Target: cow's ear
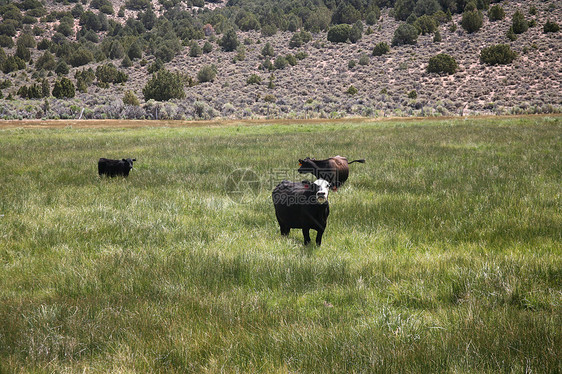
[[134, 159]]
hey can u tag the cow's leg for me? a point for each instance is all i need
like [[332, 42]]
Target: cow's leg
[[319, 234], [285, 230], [306, 234]]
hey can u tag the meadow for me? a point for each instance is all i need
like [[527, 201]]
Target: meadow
[[443, 252]]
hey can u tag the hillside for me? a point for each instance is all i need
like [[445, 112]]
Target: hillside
[[394, 84]]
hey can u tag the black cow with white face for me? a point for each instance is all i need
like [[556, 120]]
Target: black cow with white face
[[113, 168], [302, 205]]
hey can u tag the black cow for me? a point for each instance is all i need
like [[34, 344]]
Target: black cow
[[302, 205], [334, 169], [113, 168]]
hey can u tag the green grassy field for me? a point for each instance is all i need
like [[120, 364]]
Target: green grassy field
[[443, 253]]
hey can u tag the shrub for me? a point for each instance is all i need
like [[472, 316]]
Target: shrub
[[77, 11], [44, 44], [137, 4], [23, 53], [32, 92], [345, 13], [519, 23], [403, 9], [66, 29], [269, 30], [269, 98], [551, 27], [280, 62], [292, 60], [240, 53], [381, 49], [108, 73], [442, 17], [126, 62], [412, 94], [496, 13], [271, 84], [510, 34], [155, 66], [267, 65], [437, 37], [373, 16], [472, 21], [86, 75], [207, 47], [364, 60], [247, 21], [405, 34], [426, 7], [351, 64], [61, 68], [46, 61], [267, 50], [351, 90], [253, 79], [470, 6], [499, 54], [6, 41], [35, 91], [64, 88], [45, 88], [29, 20], [207, 73], [83, 79], [339, 33], [26, 40], [129, 98], [426, 24], [195, 50], [80, 56], [229, 41], [305, 36], [442, 63], [134, 51], [89, 21], [164, 86], [318, 20], [296, 41], [356, 32]]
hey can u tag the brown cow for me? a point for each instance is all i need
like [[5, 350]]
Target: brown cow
[[334, 169]]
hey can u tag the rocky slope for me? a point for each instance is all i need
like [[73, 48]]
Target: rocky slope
[[317, 86]]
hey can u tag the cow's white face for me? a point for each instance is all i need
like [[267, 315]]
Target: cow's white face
[[323, 190]]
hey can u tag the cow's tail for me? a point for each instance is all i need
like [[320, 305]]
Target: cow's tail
[[361, 160]]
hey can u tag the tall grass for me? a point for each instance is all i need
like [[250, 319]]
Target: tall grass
[[442, 252]]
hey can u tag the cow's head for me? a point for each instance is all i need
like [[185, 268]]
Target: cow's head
[[307, 166], [322, 190], [129, 161]]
